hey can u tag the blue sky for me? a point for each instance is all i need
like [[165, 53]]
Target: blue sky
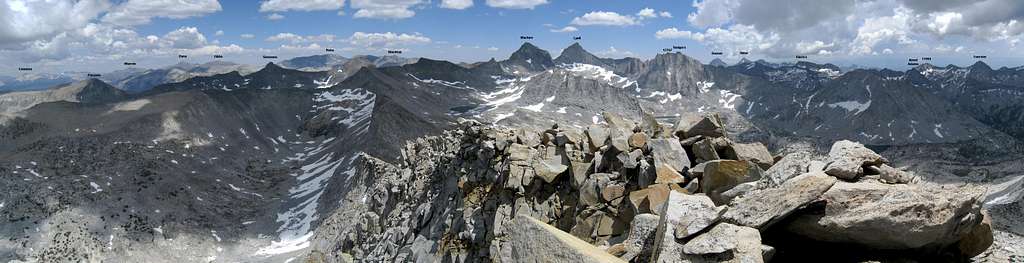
[[97, 35]]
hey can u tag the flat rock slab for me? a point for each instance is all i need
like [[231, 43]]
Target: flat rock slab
[[531, 240], [762, 208], [682, 216], [887, 216]]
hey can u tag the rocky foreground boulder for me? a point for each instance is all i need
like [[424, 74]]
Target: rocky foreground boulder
[[647, 193]]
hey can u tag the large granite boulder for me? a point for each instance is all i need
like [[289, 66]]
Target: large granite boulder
[[720, 176], [895, 217], [682, 216], [669, 160], [753, 152]]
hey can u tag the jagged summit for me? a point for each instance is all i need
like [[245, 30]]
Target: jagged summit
[[531, 57]]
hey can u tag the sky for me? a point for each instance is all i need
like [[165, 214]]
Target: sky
[[99, 35]]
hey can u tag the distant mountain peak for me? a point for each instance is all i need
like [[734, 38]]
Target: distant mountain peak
[[980, 65], [531, 57], [576, 54], [718, 63]]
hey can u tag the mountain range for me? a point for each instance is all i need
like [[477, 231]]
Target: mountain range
[[221, 161]]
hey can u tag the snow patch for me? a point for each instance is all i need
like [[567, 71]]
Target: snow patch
[[853, 106]]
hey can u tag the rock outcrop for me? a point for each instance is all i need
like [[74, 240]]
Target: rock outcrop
[[612, 192]]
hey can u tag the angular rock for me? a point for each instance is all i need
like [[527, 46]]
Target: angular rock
[[789, 166], [681, 217], [885, 216], [519, 152], [579, 173], [637, 140], [816, 166], [721, 175], [737, 191], [531, 240], [549, 169], [650, 199], [596, 136], [613, 191], [754, 152], [619, 140], [762, 208], [691, 124], [704, 150], [888, 174], [669, 155], [726, 243], [979, 239], [846, 160], [617, 122], [639, 243], [590, 192], [528, 138]]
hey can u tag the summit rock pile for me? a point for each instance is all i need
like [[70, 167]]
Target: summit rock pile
[[642, 192]]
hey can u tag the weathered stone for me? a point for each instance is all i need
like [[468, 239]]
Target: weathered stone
[[978, 239], [763, 208], [666, 174], [754, 152], [549, 169], [816, 166], [789, 166], [691, 124], [767, 252], [846, 160], [639, 243], [590, 192], [596, 136], [721, 175], [528, 138], [737, 191], [704, 150], [669, 152], [693, 186], [613, 191], [534, 241], [892, 216], [682, 216], [637, 140], [579, 172], [888, 174], [616, 121], [617, 250], [650, 199], [568, 136], [519, 152], [627, 160], [726, 243], [619, 140]]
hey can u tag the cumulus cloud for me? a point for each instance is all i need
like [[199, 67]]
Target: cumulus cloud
[[137, 12], [184, 38], [604, 18], [615, 53], [22, 21], [734, 38], [456, 4], [300, 5], [293, 38], [856, 27], [246, 36], [566, 29], [385, 9], [516, 4], [219, 33], [386, 39]]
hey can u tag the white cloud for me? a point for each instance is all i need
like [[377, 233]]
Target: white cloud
[[387, 39], [647, 13], [184, 38], [275, 17], [22, 21], [615, 53], [887, 51], [137, 12], [300, 5], [456, 4], [604, 18], [516, 4], [665, 14], [712, 12], [492, 49], [385, 9], [566, 29], [674, 33], [293, 38], [813, 47], [246, 36], [219, 33]]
